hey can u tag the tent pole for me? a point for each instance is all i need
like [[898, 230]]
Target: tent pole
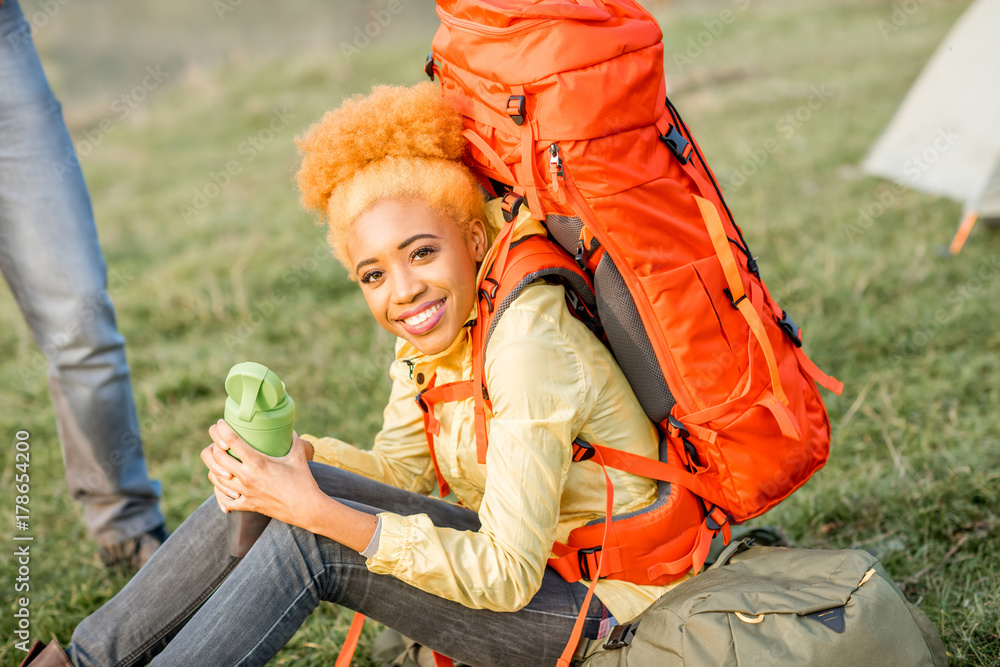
[[964, 229]]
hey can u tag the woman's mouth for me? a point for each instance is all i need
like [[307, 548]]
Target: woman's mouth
[[425, 320]]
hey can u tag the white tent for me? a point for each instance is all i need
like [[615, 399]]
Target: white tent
[[945, 137]]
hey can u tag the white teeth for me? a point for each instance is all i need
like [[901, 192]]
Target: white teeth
[[423, 315]]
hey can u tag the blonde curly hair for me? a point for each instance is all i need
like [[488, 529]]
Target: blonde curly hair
[[395, 143]]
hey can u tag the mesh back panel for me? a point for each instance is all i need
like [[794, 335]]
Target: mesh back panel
[[564, 230], [630, 342], [622, 324]]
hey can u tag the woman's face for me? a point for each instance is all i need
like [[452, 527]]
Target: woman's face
[[417, 270]]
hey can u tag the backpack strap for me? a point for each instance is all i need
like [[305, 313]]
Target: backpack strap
[[517, 265], [738, 297], [683, 148], [427, 399], [350, 644], [574, 638]]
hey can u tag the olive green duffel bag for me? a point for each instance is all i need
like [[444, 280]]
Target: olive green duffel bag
[[773, 606]]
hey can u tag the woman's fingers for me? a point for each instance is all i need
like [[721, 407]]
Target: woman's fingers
[[221, 499], [232, 487], [208, 458]]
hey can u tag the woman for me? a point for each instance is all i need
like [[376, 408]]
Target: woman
[[356, 527]]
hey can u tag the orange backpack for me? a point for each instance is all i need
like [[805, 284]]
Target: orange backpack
[[565, 109]]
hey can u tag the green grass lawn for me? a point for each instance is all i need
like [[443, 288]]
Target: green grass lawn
[[785, 98]]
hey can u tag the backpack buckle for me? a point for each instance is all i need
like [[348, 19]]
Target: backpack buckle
[[621, 636], [583, 450], [419, 398], [678, 145], [791, 328], [581, 557], [676, 425], [510, 205], [429, 66], [515, 108], [489, 295]]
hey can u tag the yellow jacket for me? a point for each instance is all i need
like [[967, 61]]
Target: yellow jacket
[[550, 380]]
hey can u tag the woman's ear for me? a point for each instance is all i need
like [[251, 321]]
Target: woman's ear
[[478, 240]]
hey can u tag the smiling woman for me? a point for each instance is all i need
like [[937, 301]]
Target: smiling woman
[[419, 286], [470, 580]]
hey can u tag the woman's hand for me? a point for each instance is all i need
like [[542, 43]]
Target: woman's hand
[[282, 488]]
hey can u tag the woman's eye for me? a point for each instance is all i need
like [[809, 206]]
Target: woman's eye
[[371, 276], [421, 253]]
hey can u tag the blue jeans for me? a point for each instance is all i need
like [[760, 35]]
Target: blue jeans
[[52, 262], [193, 604]]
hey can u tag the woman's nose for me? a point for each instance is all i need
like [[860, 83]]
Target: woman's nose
[[407, 286]]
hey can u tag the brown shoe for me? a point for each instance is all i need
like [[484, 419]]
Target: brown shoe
[[132, 554], [41, 655]]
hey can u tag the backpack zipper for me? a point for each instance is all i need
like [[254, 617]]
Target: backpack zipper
[[555, 166]]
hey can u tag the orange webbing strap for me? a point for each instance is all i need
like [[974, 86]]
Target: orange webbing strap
[[574, 638], [351, 641], [479, 112], [442, 660], [491, 155], [427, 399], [478, 400], [567, 561], [496, 259], [713, 223], [813, 371], [663, 124], [528, 163], [654, 469], [964, 229]]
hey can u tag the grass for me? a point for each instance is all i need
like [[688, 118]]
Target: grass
[[785, 101]]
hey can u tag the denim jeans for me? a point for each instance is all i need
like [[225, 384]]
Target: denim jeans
[[193, 604], [52, 262]]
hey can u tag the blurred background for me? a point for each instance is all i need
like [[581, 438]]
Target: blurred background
[[209, 266]]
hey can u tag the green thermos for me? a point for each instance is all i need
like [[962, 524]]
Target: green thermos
[[263, 414]]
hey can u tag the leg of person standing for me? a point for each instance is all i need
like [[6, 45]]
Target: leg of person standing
[[50, 258]]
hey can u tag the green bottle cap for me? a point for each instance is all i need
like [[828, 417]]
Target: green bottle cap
[[258, 408]]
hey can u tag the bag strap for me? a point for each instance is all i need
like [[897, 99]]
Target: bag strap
[[350, 645], [574, 637], [427, 399], [351, 641], [739, 299], [731, 550]]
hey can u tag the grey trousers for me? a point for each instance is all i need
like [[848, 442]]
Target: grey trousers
[[193, 604], [50, 258]]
